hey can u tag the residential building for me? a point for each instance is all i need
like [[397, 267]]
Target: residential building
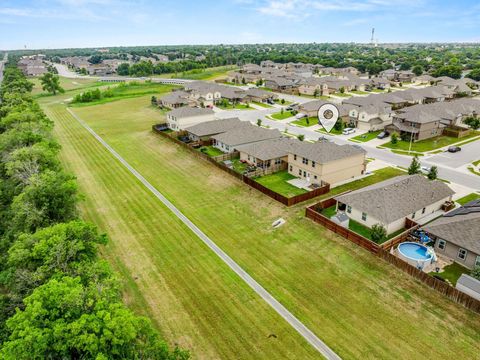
[[272, 153], [184, 117], [205, 130], [326, 161], [457, 234], [231, 140], [390, 202], [469, 285], [175, 99]]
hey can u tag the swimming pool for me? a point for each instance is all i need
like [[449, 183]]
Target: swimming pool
[[415, 254]]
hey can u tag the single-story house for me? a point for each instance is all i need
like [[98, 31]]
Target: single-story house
[[268, 153], [230, 140], [457, 234], [205, 130], [392, 201], [183, 117], [175, 99], [326, 161], [259, 95]]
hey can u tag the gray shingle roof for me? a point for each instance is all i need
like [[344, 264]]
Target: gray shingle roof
[[469, 282], [246, 134], [396, 198], [460, 227], [268, 149], [325, 151], [188, 111], [216, 126]]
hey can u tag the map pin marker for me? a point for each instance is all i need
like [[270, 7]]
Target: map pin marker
[[327, 116]]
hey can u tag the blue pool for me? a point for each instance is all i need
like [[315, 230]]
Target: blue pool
[[414, 251]]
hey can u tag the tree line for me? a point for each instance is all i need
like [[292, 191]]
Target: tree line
[[58, 299]]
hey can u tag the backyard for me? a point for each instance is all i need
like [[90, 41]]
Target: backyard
[[429, 144], [333, 286], [210, 150], [452, 272], [278, 183]]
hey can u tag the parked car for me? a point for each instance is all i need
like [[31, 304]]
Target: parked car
[[383, 135], [185, 139], [348, 131], [270, 101], [300, 116], [425, 169], [454, 149]]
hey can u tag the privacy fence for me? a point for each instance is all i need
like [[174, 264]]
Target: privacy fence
[[218, 162], [383, 251]]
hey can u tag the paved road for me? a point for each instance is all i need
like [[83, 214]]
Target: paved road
[[307, 334]]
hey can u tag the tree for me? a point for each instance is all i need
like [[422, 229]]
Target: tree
[[378, 233], [244, 81], [394, 139], [414, 167], [474, 74], [433, 173], [282, 101], [476, 272], [123, 69], [417, 70], [259, 122], [473, 122], [95, 59], [301, 137], [316, 93], [153, 100], [452, 71], [51, 83], [338, 125], [342, 90], [259, 82], [67, 319]]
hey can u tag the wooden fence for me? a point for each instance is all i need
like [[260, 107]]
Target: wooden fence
[[383, 253], [218, 162], [457, 132]]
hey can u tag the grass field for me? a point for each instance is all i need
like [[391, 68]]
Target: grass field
[[210, 150], [203, 74], [278, 183], [66, 83], [468, 198], [366, 137], [282, 116], [236, 106], [360, 306], [429, 144]]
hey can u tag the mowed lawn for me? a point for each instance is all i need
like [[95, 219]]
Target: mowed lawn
[[170, 276], [66, 83], [360, 306]]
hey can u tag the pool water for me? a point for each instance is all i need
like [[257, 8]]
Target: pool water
[[414, 251]]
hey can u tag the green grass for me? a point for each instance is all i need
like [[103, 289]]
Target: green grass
[[282, 116], [429, 144], [378, 91], [238, 166], [468, 198], [358, 92], [329, 212], [278, 183], [67, 84], [476, 163], [319, 97], [202, 74], [473, 171], [366, 137], [306, 122], [210, 150], [345, 95], [339, 291], [408, 153], [237, 106], [265, 105], [452, 272], [129, 90], [332, 132], [285, 102]]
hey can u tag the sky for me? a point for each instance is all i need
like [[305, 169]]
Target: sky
[[96, 23]]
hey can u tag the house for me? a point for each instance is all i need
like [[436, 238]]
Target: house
[[32, 67], [183, 117], [457, 234], [326, 161], [203, 92], [392, 201], [175, 99], [272, 153], [423, 80], [371, 117], [381, 83], [424, 121], [205, 130], [469, 285], [232, 139], [313, 86], [281, 84], [310, 108], [259, 95]]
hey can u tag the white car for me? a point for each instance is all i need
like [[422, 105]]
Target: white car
[[348, 131], [300, 116]]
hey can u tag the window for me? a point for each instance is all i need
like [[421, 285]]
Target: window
[[442, 244], [305, 161], [294, 157], [477, 262], [300, 172], [413, 216], [315, 177], [462, 254], [423, 210], [304, 174], [364, 216], [349, 209], [313, 163], [291, 168]]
